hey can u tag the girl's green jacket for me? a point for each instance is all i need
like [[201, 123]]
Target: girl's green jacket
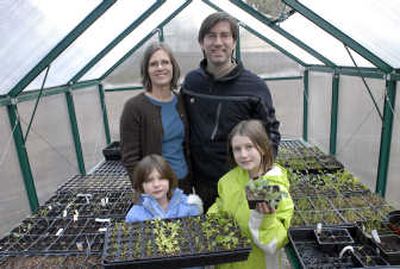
[[268, 233]]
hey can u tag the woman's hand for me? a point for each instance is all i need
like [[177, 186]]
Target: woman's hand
[[264, 208]]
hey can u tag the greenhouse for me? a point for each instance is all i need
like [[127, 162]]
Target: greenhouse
[[68, 68]]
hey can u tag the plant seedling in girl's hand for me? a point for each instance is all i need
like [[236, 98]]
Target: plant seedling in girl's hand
[[260, 190]]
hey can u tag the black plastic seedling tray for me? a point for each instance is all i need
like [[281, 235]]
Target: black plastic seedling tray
[[390, 247], [330, 238], [254, 197], [113, 168], [138, 245], [96, 183], [112, 152], [310, 254]]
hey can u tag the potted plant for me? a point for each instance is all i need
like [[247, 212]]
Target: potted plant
[[260, 190]]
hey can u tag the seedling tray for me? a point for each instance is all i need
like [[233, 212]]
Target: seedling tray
[[54, 262], [55, 236], [310, 254], [87, 205], [115, 168], [96, 183], [112, 152], [390, 246], [329, 238], [270, 194], [174, 243], [369, 256]]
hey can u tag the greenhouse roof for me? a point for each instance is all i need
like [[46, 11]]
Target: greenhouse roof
[[63, 42]]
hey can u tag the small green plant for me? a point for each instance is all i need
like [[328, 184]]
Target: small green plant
[[261, 190], [167, 236]]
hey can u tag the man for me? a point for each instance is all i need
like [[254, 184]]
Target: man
[[218, 95]]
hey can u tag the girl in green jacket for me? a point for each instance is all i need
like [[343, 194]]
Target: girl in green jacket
[[266, 225]]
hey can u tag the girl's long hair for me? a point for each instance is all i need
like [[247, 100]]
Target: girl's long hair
[[255, 131]]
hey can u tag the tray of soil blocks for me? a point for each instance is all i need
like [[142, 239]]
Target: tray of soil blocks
[[260, 190], [95, 205], [361, 253], [114, 168], [96, 183], [332, 237], [390, 247], [174, 243], [53, 262], [55, 236], [112, 152]]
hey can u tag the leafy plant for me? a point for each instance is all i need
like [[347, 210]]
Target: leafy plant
[[262, 190], [167, 236]]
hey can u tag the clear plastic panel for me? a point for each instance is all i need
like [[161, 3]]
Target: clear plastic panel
[[322, 42], [263, 59], [13, 198], [393, 183], [181, 35], [91, 125], [128, 73], [374, 24], [30, 29], [264, 30], [49, 144], [129, 42], [287, 96], [319, 109], [106, 28], [359, 127]]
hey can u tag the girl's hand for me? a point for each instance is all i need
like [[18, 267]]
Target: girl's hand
[[264, 208]]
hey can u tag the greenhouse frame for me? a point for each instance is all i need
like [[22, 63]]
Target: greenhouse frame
[[69, 66]]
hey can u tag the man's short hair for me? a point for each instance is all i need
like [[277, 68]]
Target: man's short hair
[[215, 18]]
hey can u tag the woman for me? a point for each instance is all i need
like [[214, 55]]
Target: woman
[[154, 122]]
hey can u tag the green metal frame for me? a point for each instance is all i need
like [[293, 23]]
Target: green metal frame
[[266, 21], [305, 104], [105, 114], [350, 71], [334, 114], [136, 88], [345, 39], [5, 101], [282, 78], [75, 132], [61, 46], [118, 39], [23, 158], [161, 34], [256, 33], [386, 137], [238, 53]]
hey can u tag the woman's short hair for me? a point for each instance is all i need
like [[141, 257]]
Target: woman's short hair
[[144, 168], [255, 131], [144, 66], [215, 18]]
